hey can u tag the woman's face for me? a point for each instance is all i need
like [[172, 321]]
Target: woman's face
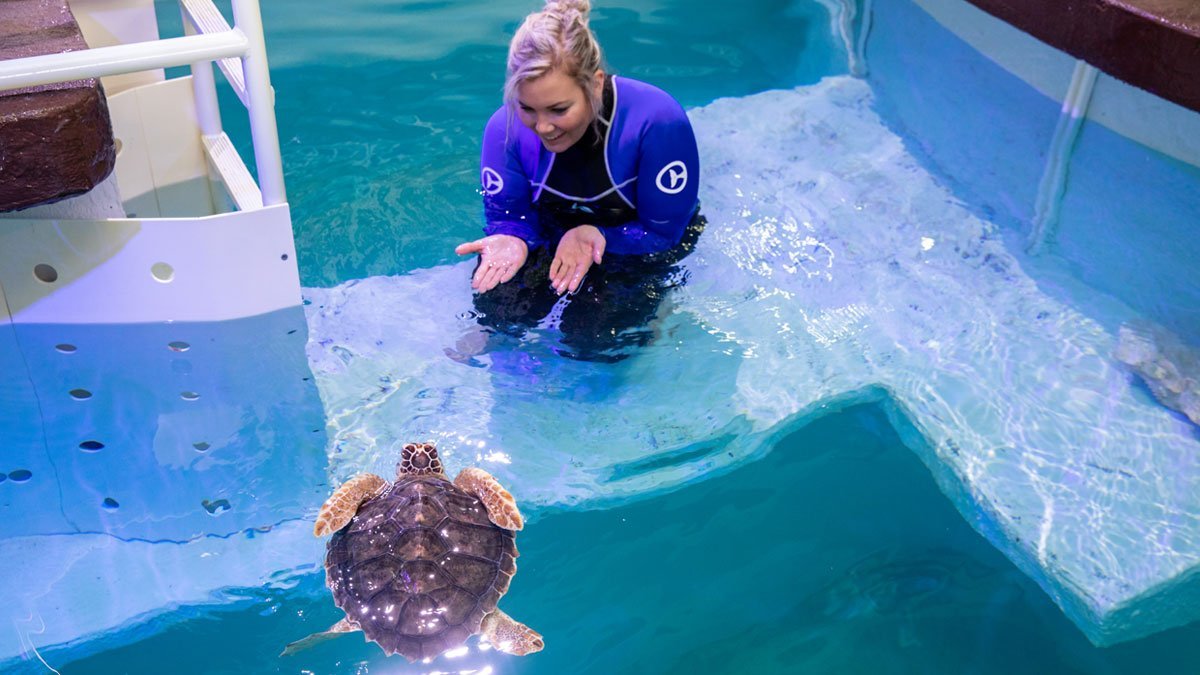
[[555, 108]]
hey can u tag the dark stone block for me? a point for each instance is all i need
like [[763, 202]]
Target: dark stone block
[[55, 140], [1151, 44]]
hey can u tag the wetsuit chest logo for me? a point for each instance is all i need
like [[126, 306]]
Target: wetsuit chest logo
[[673, 178], [492, 182]]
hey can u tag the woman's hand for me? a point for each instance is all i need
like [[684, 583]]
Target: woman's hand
[[500, 257], [577, 250]]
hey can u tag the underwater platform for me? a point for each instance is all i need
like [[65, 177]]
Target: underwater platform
[[835, 270]]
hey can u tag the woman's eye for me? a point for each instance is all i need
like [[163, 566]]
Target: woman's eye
[[558, 111]]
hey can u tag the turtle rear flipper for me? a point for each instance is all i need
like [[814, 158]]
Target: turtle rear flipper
[[501, 507], [511, 636], [344, 502], [343, 626]]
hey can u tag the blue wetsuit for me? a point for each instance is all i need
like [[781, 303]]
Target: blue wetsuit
[[638, 184], [636, 181]]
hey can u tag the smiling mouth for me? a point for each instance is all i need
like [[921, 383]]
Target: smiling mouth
[[548, 139]]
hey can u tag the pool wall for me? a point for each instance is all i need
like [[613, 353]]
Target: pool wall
[[979, 101], [150, 465]]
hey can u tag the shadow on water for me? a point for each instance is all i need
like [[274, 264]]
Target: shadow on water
[[834, 553]]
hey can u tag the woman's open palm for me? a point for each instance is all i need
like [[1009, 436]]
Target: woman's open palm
[[577, 251], [500, 257]]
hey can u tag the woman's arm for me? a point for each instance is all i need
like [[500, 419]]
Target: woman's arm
[[667, 187], [507, 200], [511, 224]]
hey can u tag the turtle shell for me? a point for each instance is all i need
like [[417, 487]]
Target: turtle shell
[[420, 566]]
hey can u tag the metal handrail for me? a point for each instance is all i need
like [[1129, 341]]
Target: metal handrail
[[244, 41], [34, 71]]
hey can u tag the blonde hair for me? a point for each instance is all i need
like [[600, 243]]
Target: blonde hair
[[556, 38]]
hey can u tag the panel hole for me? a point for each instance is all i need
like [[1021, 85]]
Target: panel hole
[[283, 257], [201, 446], [20, 475], [178, 346], [110, 504], [45, 273], [216, 508], [118, 146], [80, 394], [162, 272], [91, 446], [65, 348], [189, 395]]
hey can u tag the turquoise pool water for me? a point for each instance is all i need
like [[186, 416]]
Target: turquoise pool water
[[760, 535], [834, 554], [380, 105]]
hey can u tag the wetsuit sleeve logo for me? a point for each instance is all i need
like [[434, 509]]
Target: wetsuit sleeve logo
[[673, 178], [492, 182]]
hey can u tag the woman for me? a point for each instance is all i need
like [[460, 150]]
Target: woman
[[595, 190]]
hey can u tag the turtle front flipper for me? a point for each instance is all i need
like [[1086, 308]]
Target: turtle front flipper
[[344, 502], [343, 626], [511, 636], [501, 507]]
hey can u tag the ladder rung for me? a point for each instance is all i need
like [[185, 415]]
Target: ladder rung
[[233, 171], [206, 19]]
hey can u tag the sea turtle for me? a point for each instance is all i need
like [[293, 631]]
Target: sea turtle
[[423, 561]]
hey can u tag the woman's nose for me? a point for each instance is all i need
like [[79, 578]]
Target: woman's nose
[[543, 126]]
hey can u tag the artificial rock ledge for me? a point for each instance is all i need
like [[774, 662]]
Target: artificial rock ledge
[[56, 140]]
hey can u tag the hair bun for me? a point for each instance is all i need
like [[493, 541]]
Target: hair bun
[[561, 7]]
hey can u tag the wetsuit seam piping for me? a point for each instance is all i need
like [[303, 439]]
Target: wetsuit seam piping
[[545, 177], [614, 188], [607, 138]]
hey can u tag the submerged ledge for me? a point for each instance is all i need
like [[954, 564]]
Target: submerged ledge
[[833, 265], [1151, 44]]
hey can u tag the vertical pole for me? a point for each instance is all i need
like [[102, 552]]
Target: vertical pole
[[208, 111], [1058, 158], [845, 14], [248, 19], [204, 87], [858, 58]]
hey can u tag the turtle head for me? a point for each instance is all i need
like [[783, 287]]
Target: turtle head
[[419, 459]]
